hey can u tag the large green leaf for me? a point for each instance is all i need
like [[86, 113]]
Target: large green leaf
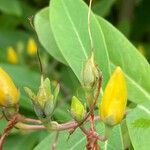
[[78, 140], [138, 122], [123, 53], [120, 50], [69, 25], [115, 141], [24, 141], [43, 29]]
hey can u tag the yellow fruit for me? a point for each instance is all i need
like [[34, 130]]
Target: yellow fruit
[[9, 94], [12, 56], [113, 104], [31, 47]]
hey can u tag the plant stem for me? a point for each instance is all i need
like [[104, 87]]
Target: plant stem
[[93, 106], [59, 127], [7, 130], [30, 120]]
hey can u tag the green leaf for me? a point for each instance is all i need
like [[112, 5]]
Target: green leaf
[[24, 141], [115, 141], [11, 7], [123, 53], [138, 123], [78, 140], [125, 135], [103, 7], [70, 31], [43, 29]]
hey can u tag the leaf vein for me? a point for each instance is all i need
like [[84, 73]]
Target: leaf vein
[[75, 30]]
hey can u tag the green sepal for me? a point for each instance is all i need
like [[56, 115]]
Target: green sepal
[[9, 111], [39, 112], [49, 108], [56, 92], [109, 121], [44, 112], [30, 93], [90, 73], [44, 102], [77, 109], [47, 86]]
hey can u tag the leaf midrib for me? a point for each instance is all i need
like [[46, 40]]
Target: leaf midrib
[[143, 108], [80, 141], [74, 28]]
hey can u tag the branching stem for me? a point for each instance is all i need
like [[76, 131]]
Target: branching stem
[[7, 130]]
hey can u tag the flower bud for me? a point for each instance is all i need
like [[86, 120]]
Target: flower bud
[[12, 56], [77, 109], [44, 102], [90, 73], [31, 47], [9, 94], [113, 104]]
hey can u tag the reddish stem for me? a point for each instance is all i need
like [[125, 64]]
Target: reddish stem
[[29, 120], [59, 127], [10, 126]]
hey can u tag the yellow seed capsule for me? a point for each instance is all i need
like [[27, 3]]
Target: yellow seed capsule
[[31, 47], [12, 56], [113, 104], [9, 94]]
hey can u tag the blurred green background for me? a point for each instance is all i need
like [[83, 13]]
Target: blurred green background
[[131, 17]]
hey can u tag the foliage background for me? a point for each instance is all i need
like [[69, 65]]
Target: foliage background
[[131, 17]]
